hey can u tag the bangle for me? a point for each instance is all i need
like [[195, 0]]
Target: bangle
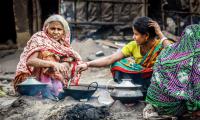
[[163, 38]]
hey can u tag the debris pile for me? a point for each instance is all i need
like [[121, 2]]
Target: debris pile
[[86, 112]]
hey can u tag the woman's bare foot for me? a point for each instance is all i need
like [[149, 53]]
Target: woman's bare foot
[[149, 112]]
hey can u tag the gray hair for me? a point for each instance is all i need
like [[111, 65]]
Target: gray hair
[[59, 18]]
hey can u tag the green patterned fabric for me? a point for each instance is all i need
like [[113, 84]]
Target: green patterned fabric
[[128, 64], [175, 84]]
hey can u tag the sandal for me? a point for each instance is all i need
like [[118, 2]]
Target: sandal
[[149, 112]]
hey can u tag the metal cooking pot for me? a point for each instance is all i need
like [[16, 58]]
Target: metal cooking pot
[[81, 92], [126, 91], [31, 87]]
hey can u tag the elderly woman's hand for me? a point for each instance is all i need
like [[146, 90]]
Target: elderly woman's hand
[[60, 67]]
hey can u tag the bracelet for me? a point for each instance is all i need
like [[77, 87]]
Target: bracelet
[[163, 38]]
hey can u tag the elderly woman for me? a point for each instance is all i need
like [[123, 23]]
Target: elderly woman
[[48, 57], [175, 85], [144, 48]]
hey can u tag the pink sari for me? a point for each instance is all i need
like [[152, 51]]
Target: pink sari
[[50, 50]]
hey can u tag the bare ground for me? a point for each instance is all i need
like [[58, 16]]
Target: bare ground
[[33, 108]]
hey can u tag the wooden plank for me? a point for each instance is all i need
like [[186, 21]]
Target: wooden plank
[[7, 77], [98, 23], [107, 43]]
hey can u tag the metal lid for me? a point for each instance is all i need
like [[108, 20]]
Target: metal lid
[[31, 81]]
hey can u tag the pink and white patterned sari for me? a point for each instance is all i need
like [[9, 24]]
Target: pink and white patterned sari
[[51, 50]]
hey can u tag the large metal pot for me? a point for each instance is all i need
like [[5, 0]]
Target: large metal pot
[[126, 91], [81, 92], [31, 87]]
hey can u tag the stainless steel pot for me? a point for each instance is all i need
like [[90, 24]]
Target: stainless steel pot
[[126, 91], [31, 87]]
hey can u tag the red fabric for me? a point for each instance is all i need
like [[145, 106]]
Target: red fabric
[[41, 42], [145, 73]]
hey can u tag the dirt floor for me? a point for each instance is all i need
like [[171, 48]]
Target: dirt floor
[[34, 108], [100, 107]]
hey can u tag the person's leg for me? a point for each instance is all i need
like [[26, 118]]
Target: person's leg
[[149, 112], [118, 76]]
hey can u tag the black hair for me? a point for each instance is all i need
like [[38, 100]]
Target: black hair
[[141, 25]]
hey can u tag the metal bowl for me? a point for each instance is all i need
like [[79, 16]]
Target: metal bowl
[[127, 99], [81, 92], [127, 95], [31, 90]]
